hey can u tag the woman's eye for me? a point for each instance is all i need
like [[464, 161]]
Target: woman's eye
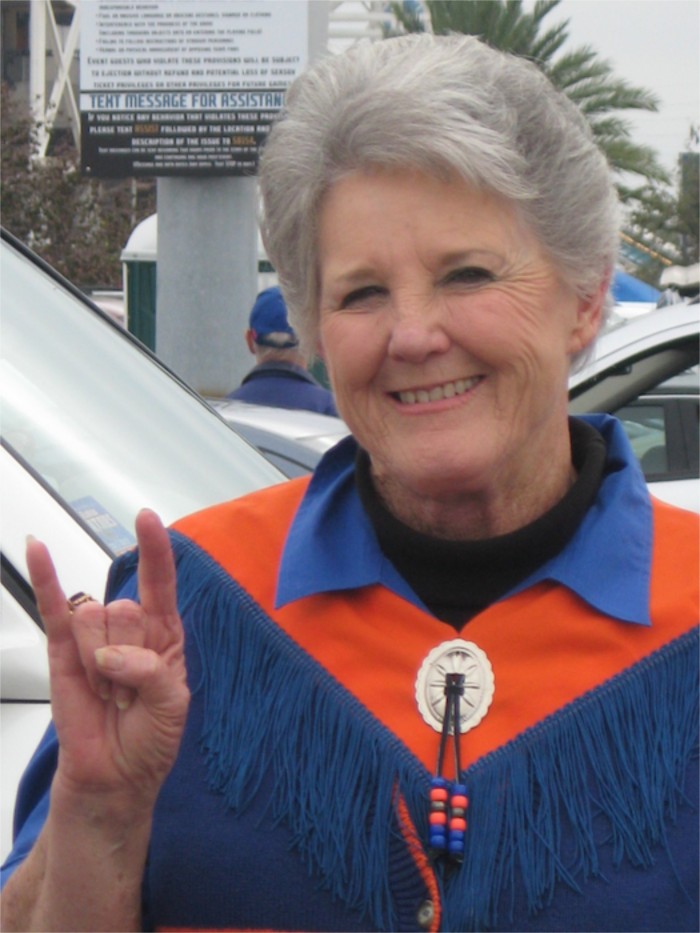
[[361, 296], [470, 275]]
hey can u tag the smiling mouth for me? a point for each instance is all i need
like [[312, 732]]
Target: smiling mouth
[[437, 393]]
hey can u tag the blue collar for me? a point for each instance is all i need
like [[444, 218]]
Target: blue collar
[[332, 546]]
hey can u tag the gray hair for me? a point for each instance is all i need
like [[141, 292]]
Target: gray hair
[[277, 347], [445, 105]]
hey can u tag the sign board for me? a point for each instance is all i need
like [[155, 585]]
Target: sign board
[[184, 87]]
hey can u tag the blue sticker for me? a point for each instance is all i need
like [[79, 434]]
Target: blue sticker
[[104, 525]]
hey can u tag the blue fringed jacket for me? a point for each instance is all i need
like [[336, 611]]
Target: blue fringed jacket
[[299, 797]]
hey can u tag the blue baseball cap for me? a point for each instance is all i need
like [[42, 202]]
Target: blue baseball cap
[[269, 316]]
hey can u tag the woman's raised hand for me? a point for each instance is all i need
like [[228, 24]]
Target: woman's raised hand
[[118, 683]]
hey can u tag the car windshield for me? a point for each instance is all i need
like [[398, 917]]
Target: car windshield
[[100, 422]]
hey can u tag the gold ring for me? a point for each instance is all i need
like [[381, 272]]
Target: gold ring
[[77, 599]]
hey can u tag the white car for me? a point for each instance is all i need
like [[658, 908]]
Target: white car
[[645, 371], [93, 429], [293, 439]]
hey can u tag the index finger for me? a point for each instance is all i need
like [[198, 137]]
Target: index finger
[[156, 569], [50, 598]]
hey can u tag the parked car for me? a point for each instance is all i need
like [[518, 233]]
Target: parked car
[[645, 371], [93, 428], [293, 439]]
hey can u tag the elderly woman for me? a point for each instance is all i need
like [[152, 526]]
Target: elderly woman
[[449, 683]]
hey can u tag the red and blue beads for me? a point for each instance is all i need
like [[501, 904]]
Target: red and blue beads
[[437, 817], [447, 818], [457, 822]]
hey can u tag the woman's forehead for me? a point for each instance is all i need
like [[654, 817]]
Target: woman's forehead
[[375, 209]]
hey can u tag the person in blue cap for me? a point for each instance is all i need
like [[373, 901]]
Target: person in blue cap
[[280, 377]]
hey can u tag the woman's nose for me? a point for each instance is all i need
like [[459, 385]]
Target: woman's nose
[[417, 331]]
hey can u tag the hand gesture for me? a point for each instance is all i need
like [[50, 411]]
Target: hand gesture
[[118, 685]]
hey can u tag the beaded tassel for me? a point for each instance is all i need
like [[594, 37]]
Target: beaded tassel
[[457, 824], [439, 796], [448, 799]]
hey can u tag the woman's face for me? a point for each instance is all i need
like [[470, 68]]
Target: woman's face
[[447, 334]]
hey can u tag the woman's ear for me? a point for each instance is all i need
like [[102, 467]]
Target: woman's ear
[[589, 317]]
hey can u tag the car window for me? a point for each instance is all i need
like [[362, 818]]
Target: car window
[[663, 427], [105, 427], [645, 426], [622, 382]]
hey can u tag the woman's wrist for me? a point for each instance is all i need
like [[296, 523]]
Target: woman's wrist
[[95, 849], [116, 816]]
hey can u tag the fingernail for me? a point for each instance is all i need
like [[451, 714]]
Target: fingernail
[[122, 702], [109, 659]]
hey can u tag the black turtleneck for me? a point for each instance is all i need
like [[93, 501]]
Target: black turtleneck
[[458, 579]]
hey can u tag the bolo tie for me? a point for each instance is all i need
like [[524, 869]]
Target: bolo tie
[[454, 689]]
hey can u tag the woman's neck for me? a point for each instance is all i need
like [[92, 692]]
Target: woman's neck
[[457, 579], [502, 507]]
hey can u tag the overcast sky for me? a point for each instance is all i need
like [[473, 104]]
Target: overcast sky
[[651, 43]]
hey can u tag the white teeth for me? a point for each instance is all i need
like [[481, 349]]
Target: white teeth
[[448, 390]]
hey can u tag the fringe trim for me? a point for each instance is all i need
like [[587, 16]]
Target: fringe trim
[[335, 768], [616, 754]]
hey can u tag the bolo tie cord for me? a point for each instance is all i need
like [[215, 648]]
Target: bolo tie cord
[[448, 799]]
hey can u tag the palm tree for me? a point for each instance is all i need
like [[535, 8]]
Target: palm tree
[[665, 222], [584, 77]]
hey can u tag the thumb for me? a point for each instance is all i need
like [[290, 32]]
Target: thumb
[[146, 672]]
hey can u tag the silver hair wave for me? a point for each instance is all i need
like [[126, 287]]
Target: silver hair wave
[[445, 105]]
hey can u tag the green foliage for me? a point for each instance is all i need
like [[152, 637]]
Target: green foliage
[[689, 207], [76, 224], [584, 77], [665, 220]]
